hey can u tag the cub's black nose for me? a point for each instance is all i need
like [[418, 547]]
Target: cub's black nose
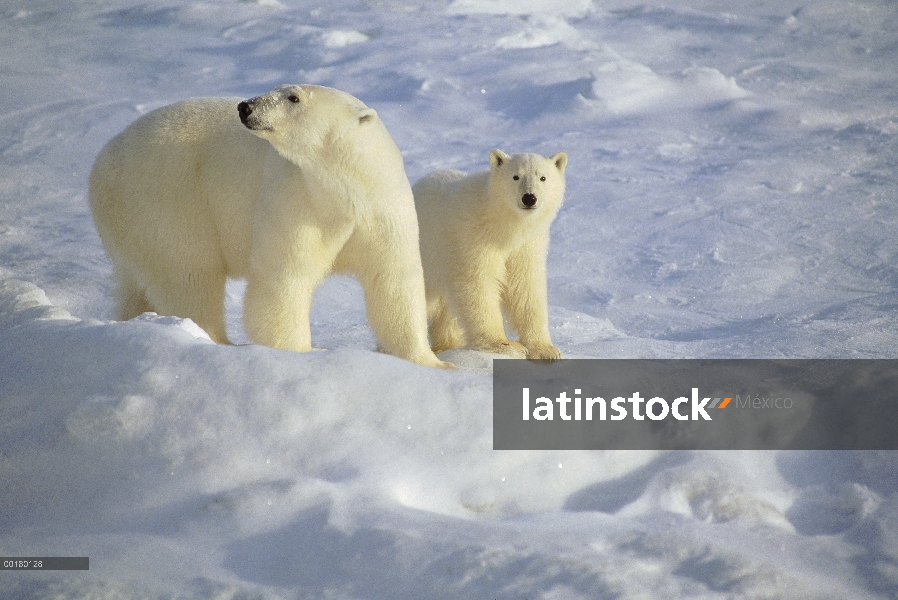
[[245, 110], [529, 200]]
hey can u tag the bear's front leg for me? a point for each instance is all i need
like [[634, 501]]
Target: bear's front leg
[[276, 310], [286, 266], [476, 295], [387, 262], [525, 299]]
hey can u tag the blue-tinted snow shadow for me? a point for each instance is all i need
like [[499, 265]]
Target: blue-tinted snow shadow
[[684, 19], [879, 561], [142, 16], [746, 327], [530, 102], [381, 86], [840, 496], [310, 553], [712, 571], [833, 483], [612, 495], [872, 468], [378, 563]]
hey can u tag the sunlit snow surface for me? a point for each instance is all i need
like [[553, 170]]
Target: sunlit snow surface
[[732, 192]]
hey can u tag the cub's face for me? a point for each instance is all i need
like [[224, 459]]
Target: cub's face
[[528, 183], [299, 120]]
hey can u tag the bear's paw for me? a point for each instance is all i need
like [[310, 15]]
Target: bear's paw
[[543, 352]]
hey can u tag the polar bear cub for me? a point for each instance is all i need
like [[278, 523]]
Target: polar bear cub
[[484, 239], [282, 190]]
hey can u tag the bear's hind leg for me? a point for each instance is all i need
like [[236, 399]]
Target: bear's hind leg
[[132, 298], [196, 295], [445, 332]]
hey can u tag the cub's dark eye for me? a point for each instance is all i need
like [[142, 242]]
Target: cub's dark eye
[[515, 177], [543, 178], [294, 98]]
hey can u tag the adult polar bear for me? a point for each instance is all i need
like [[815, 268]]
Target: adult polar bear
[[309, 184]]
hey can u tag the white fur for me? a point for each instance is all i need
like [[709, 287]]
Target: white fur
[[311, 184], [484, 251]]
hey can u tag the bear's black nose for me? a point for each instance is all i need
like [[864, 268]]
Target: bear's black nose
[[529, 200], [245, 110]]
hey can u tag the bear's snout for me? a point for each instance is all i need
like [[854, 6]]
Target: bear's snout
[[528, 200], [253, 119], [245, 109]]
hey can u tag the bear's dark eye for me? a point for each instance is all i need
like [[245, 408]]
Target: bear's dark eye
[[515, 177], [543, 178], [294, 98]]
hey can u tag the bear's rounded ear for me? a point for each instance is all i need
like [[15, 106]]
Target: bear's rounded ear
[[560, 161], [367, 115], [498, 158]]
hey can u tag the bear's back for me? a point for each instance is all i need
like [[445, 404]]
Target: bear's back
[[188, 170]]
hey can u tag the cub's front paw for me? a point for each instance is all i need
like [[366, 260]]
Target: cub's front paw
[[543, 352]]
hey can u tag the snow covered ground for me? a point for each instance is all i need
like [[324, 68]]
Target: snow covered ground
[[731, 193]]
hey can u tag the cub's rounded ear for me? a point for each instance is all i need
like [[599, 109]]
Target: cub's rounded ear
[[498, 158], [367, 115], [560, 161]]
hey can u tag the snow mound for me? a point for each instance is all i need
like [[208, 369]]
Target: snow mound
[[159, 401], [21, 300], [338, 38], [546, 30], [625, 87]]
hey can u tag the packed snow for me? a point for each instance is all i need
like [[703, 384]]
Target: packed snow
[[731, 193]]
